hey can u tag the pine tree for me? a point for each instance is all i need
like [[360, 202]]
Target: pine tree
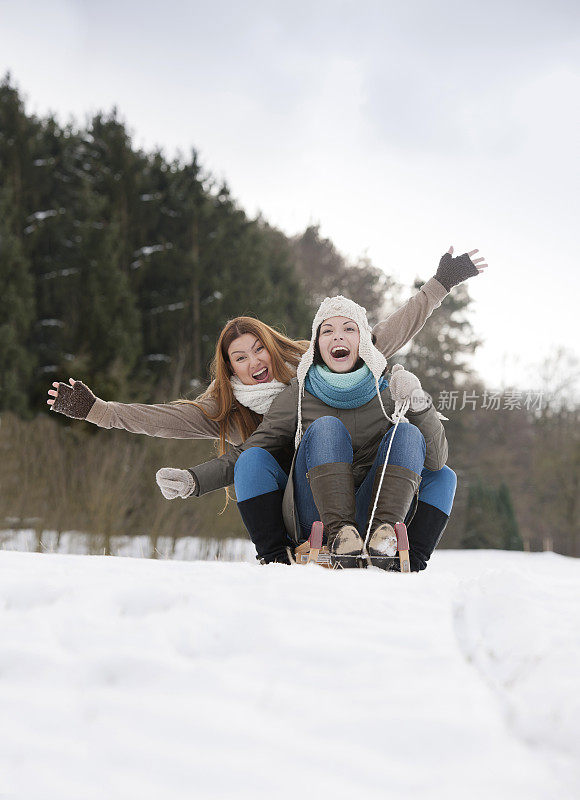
[[17, 313], [480, 518], [175, 282], [17, 135], [506, 514], [490, 519], [283, 302], [51, 239], [108, 324], [324, 272], [17, 303], [115, 170]]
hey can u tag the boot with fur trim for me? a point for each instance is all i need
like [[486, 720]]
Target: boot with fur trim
[[332, 487], [399, 487], [346, 548]]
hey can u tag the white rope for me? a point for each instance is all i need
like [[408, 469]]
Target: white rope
[[401, 408]]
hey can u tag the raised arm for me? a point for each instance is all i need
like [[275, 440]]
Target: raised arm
[[400, 327], [166, 420]]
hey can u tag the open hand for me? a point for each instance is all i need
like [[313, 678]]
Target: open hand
[[452, 271], [74, 401]]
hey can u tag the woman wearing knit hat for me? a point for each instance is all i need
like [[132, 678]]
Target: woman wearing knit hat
[[338, 470], [343, 406]]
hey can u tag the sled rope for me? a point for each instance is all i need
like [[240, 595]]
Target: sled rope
[[401, 408]]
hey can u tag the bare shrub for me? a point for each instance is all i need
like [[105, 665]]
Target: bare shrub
[[70, 476]]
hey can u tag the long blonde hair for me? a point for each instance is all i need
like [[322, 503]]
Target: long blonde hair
[[229, 414]]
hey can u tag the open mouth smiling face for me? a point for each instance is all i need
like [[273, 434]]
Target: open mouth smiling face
[[261, 376], [338, 342], [250, 360], [340, 352]]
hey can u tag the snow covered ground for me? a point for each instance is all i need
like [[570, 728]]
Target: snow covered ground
[[131, 678]]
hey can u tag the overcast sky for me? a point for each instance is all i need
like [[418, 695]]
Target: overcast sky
[[399, 128]]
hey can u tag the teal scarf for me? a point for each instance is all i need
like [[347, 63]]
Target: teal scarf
[[343, 390]]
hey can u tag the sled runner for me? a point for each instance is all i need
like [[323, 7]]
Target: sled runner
[[313, 551], [403, 546]]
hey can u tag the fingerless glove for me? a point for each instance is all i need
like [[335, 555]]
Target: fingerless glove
[[452, 271], [74, 401]]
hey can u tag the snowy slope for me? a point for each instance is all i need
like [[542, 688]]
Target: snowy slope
[[130, 678]]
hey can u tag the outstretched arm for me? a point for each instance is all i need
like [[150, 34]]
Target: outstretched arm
[[166, 420], [400, 327]]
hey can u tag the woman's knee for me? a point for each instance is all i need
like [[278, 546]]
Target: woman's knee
[[328, 426], [409, 435], [257, 472], [448, 479], [408, 447], [438, 488], [252, 458], [326, 440]]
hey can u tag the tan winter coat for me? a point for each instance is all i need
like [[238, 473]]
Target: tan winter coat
[[186, 421]]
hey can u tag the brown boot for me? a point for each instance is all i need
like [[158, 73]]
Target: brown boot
[[332, 487], [399, 487]]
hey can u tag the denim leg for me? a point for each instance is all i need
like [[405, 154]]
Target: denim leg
[[408, 450], [257, 472], [326, 441], [438, 488]]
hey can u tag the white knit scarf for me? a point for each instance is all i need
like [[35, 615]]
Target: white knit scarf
[[257, 396]]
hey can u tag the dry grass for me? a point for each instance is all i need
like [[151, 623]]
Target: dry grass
[[60, 476]]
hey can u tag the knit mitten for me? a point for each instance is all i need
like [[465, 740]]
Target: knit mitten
[[452, 271], [175, 482], [406, 386], [74, 401]]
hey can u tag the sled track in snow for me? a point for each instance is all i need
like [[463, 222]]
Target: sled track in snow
[[521, 635]]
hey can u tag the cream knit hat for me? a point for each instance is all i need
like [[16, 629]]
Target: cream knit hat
[[340, 306]]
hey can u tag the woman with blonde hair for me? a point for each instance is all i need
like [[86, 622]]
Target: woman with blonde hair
[[253, 363]]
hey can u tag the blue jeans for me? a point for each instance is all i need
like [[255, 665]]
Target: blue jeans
[[327, 440]]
